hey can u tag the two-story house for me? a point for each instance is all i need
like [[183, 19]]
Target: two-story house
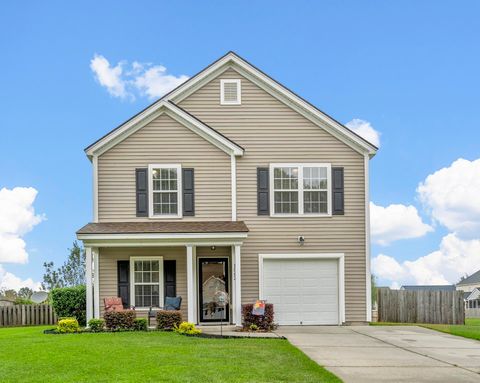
[[231, 182]]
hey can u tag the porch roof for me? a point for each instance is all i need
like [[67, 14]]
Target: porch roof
[[164, 227]]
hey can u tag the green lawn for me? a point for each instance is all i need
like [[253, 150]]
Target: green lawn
[[28, 355], [471, 328]]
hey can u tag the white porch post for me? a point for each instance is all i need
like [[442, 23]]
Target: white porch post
[[190, 284], [96, 283], [238, 286], [88, 280]]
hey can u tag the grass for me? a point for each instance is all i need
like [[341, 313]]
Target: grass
[[28, 355], [471, 328]]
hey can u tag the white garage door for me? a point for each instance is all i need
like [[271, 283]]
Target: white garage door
[[303, 291]]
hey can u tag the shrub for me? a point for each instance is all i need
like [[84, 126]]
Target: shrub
[[96, 325], [120, 320], [264, 322], [168, 320], [187, 328], [68, 325], [70, 302], [140, 324], [253, 327]]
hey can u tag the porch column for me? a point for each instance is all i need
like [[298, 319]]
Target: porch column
[[190, 284], [96, 283], [88, 281], [238, 286]]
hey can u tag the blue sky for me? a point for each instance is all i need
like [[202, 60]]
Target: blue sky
[[409, 69]]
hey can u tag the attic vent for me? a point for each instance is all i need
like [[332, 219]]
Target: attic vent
[[230, 92]]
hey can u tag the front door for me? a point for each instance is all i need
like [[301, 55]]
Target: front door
[[212, 278]]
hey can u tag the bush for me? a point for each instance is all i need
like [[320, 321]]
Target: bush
[[68, 325], [168, 320], [70, 302], [140, 324], [120, 320], [187, 328], [96, 325], [264, 322]]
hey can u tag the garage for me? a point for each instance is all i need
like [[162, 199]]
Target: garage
[[304, 291]]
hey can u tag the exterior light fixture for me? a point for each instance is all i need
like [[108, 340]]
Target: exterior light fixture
[[301, 240]]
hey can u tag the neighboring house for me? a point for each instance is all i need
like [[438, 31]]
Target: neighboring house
[[233, 168], [470, 283], [6, 302], [472, 299], [428, 287]]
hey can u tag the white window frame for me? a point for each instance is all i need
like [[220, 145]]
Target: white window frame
[[179, 191], [239, 92], [161, 297], [300, 189]]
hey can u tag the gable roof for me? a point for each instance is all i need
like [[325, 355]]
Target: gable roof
[[474, 278], [180, 115], [474, 294], [277, 90]]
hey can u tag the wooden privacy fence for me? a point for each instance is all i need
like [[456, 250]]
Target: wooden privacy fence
[[27, 315], [424, 306]]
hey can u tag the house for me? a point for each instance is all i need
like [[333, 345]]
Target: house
[[472, 299], [4, 302], [231, 174], [469, 283], [428, 287]]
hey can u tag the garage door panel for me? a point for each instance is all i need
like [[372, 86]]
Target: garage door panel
[[303, 291]]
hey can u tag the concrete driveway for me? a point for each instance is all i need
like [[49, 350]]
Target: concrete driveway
[[389, 353]]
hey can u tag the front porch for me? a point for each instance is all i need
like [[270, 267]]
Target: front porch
[[145, 267]]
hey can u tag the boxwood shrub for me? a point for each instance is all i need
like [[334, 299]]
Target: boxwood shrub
[[120, 320], [70, 302], [96, 325], [140, 324], [168, 319], [68, 325], [264, 322]]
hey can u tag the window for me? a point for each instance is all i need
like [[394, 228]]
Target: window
[[146, 275], [230, 92], [165, 186], [300, 189]]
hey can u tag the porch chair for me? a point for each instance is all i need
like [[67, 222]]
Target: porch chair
[[113, 304]]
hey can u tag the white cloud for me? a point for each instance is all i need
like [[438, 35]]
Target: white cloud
[[123, 80], [365, 130], [11, 281], [452, 195], [17, 217], [108, 76], [394, 222], [455, 258]]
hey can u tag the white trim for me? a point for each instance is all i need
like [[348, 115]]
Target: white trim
[[179, 214], [233, 172], [368, 274], [95, 188], [238, 101], [237, 277], [300, 189], [276, 90], [88, 282], [155, 111], [190, 285], [341, 274], [134, 258], [166, 236], [96, 282]]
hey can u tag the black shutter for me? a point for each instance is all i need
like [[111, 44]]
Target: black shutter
[[188, 186], [123, 278], [337, 192], [170, 278], [263, 200], [141, 181]]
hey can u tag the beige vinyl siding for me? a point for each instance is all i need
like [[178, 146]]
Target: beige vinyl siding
[[272, 132], [108, 270], [165, 141]]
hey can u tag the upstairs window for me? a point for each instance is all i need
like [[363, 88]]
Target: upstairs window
[[165, 187], [230, 92], [300, 189]]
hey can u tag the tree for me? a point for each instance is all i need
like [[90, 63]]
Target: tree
[[374, 289], [25, 292], [70, 274]]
